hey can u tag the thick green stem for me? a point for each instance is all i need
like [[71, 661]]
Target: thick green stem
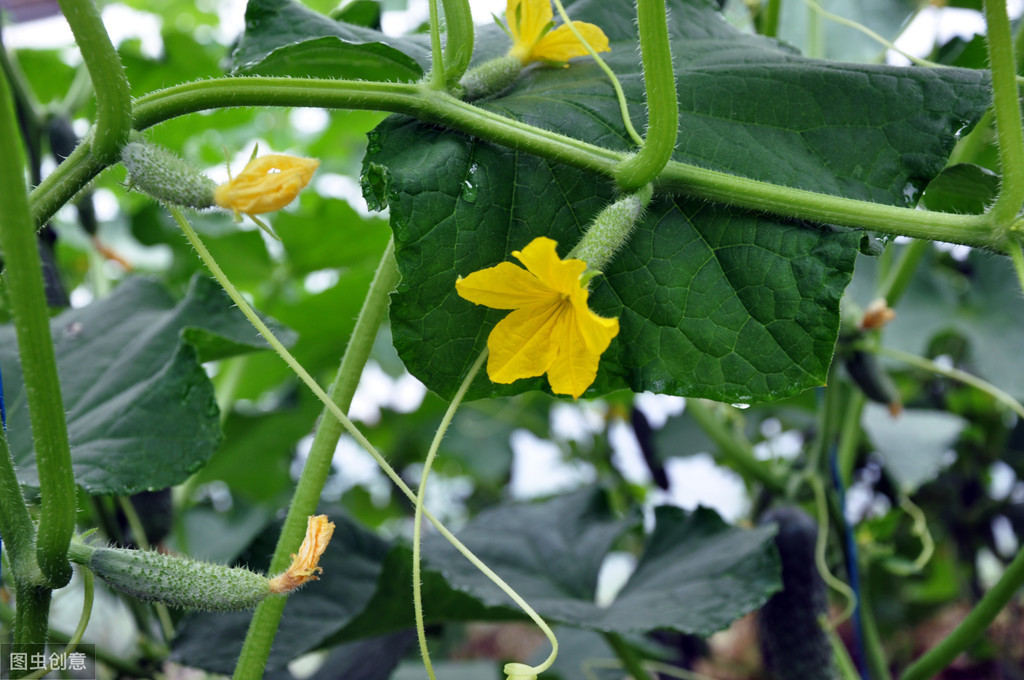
[[877, 659], [631, 662], [1009, 133], [897, 280], [19, 534], [435, 78], [437, 107], [971, 628], [265, 621], [736, 453], [662, 103], [458, 44], [768, 22], [31, 617], [35, 346], [849, 436], [113, 98]]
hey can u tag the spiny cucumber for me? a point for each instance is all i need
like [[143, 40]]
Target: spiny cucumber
[[175, 581]]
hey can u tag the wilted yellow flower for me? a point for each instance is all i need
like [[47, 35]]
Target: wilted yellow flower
[[304, 566], [266, 184], [533, 39], [551, 329]]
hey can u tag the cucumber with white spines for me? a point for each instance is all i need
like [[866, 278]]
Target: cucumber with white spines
[[173, 580]]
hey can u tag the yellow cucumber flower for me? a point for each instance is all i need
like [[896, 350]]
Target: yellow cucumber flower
[[551, 329], [304, 566], [266, 184], [530, 24]]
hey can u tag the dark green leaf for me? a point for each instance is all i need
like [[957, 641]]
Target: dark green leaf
[[140, 408], [284, 38], [331, 57], [712, 301], [359, 12], [696, 575], [962, 188]]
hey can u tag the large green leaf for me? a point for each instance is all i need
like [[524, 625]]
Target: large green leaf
[[283, 38], [713, 301], [140, 408], [696, 574]]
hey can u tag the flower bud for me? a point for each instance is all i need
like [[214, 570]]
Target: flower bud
[[156, 171]]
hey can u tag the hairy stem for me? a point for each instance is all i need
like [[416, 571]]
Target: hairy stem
[[1009, 133], [972, 627], [38, 363], [113, 99], [267, 618], [19, 534], [437, 107], [662, 103], [458, 44]]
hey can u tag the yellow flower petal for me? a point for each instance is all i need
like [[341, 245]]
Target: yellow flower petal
[[560, 45], [527, 20], [540, 259], [266, 184], [575, 366], [504, 286], [304, 566], [597, 331], [525, 343], [551, 329]]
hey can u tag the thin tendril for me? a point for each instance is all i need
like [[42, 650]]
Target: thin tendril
[[850, 23], [358, 436], [953, 373], [417, 587], [843, 589], [619, 94], [919, 529]]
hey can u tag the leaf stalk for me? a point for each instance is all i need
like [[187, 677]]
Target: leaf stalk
[[662, 102], [1009, 133]]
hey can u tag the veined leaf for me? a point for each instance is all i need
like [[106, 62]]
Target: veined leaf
[[713, 301]]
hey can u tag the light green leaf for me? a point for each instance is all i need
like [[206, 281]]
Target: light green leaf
[[915, 446]]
